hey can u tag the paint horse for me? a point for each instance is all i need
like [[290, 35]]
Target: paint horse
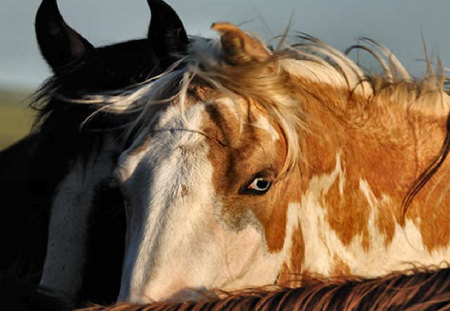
[[66, 164], [244, 167], [251, 167]]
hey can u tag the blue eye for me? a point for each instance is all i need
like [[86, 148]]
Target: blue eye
[[258, 186]]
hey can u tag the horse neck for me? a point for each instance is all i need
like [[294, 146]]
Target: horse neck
[[361, 157]]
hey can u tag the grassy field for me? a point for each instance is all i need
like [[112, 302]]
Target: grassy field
[[16, 118]]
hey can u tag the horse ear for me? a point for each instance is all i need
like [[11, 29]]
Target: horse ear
[[166, 32], [59, 43], [238, 47]]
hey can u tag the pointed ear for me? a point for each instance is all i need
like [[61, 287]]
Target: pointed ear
[[238, 47], [59, 43], [166, 32]]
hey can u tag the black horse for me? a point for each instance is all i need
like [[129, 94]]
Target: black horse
[[32, 170]]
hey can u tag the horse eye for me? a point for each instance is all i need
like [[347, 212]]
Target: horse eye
[[258, 186]]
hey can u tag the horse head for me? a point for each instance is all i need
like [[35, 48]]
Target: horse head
[[252, 167], [65, 140], [211, 181]]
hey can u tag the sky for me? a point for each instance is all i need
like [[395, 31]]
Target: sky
[[401, 25]]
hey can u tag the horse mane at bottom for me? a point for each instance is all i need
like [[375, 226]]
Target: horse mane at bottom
[[418, 289]]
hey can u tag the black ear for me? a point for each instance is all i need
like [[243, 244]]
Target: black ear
[[59, 43], [166, 32]]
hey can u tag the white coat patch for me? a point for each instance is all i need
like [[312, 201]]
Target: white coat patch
[[322, 243]]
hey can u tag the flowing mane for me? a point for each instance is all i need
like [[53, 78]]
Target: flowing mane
[[311, 60], [304, 66]]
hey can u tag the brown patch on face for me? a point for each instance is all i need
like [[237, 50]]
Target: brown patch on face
[[340, 268], [291, 270], [239, 157]]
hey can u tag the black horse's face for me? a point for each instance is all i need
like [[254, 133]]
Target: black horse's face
[[81, 68]]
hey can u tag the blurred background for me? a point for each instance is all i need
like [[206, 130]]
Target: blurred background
[[402, 25]]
